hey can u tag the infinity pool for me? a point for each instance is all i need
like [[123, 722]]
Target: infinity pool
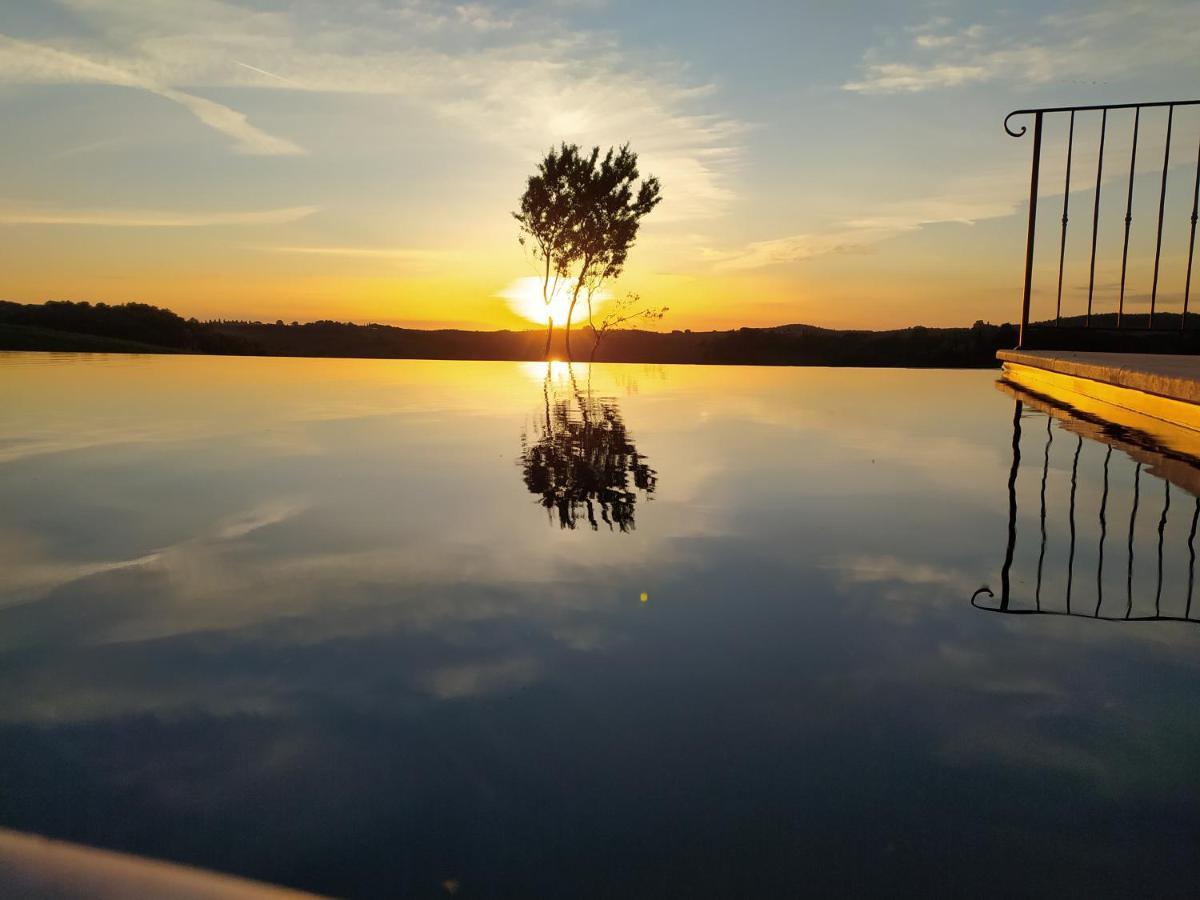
[[412, 628]]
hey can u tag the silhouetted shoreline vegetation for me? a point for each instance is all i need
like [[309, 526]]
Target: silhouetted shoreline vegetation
[[138, 327]]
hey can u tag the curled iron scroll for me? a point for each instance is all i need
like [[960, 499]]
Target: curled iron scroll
[[1017, 112]]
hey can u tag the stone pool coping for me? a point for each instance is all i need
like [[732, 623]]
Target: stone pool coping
[[1165, 387]]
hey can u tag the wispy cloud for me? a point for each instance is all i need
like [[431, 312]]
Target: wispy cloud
[[793, 248], [515, 79], [1115, 39], [986, 198], [144, 218], [25, 62], [397, 254], [230, 122], [92, 147]]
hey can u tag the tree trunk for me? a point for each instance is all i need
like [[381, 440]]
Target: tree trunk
[[571, 314], [595, 333], [549, 334]]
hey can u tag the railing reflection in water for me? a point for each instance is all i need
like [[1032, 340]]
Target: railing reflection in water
[[1160, 488]]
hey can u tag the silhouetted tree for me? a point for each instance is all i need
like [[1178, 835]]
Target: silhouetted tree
[[611, 206], [547, 213], [621, 312], [581, 215]]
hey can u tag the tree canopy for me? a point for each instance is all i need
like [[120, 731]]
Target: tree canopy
[[580, 215]]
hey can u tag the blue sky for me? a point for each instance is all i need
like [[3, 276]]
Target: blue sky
[[835, 164]]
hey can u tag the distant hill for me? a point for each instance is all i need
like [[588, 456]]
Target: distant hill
[[138, 327], [25, 337], [126, 327]]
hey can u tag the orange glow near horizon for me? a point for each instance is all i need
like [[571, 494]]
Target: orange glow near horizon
[[489, 297], [524, 296]]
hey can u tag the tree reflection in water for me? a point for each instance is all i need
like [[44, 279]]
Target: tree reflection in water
[[579, 458]]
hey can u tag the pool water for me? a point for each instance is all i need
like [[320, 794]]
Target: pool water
[[408, 628]]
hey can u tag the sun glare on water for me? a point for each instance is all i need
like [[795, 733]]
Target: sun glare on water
[[524, 298]]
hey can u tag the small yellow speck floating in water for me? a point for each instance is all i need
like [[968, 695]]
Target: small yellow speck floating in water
[[644, 597]]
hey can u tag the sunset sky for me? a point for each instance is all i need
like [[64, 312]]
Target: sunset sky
[[836, 164]]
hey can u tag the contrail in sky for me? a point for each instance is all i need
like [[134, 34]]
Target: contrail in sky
[[269, 74]]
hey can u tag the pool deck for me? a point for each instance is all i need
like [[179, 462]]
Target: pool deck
[[1163, 387]]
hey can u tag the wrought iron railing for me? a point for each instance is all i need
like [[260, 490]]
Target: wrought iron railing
[[1039, 116]]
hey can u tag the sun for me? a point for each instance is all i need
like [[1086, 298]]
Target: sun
[[524, 296]]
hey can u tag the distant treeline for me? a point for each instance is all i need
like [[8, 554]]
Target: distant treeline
[[133, 327], [125, 327]]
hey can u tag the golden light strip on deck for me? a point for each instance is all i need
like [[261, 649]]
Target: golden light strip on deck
[[1174, 423], [1170, 464]]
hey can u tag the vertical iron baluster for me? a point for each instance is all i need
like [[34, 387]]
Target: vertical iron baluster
[[1187, 285], [1162, 200], [1137, 114], [1062, 247], [1096, 215], [1033, 197]]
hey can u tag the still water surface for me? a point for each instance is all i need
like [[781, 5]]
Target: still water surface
[[390, 628]]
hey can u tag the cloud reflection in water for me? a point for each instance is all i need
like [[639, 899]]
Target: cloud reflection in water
[[320, 609]]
